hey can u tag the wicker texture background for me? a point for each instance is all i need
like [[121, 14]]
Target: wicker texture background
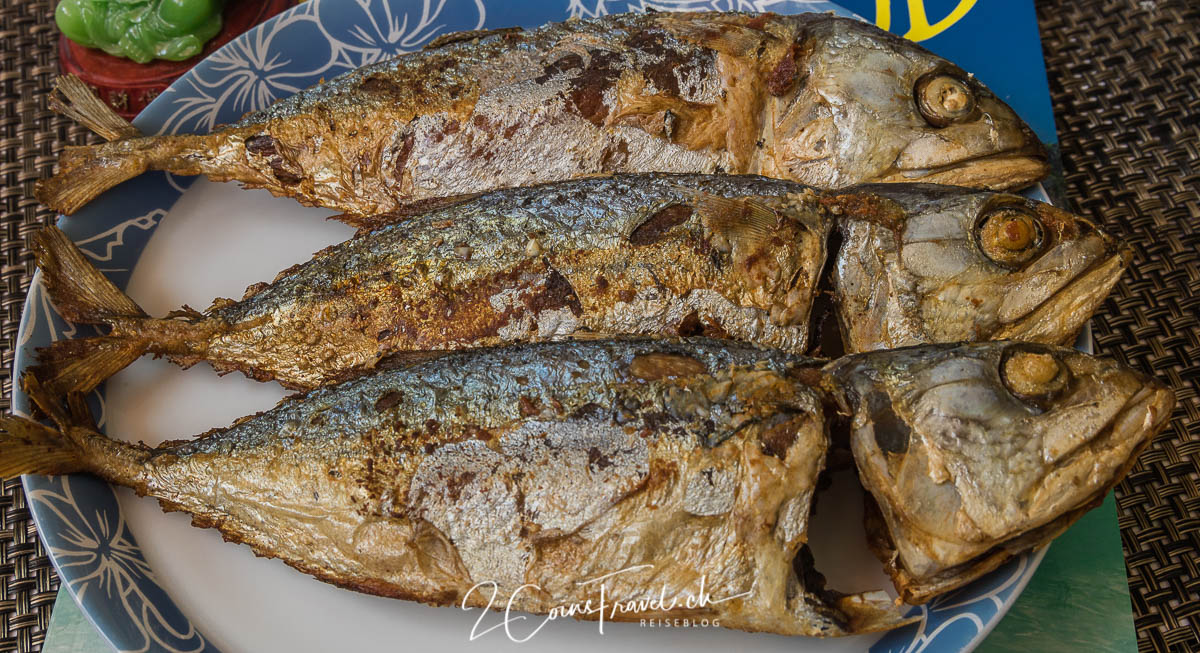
[[30, 139], [1126, 92], [1126, 88]]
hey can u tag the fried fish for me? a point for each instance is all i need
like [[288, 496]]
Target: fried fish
[[652, 466], [549, 464], [811, 98], [734, 257]]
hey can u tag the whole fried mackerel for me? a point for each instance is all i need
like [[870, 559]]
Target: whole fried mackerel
[[551, 464], [657, 469], [811, 98], [726, 256]]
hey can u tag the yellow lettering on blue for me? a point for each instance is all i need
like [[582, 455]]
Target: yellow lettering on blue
[[919, 26]]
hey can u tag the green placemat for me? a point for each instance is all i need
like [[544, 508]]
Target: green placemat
[[1078, 600], [70, 631]]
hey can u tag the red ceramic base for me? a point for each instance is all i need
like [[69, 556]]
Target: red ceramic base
[[128, 86]]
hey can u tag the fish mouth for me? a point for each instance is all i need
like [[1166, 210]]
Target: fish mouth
[[1004, 170], [1058, 319], [1145, 414]]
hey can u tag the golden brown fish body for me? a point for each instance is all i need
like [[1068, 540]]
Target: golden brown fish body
[[650, 467], [812, 98], [671, 468], [737, 257], [727, 256]]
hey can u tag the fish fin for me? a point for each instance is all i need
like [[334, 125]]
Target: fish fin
[[189, 313], [27, 447], [406, 211], [84, 172], [469, 35], [80, 292], [49, 405], [73, 99], [745, 220], [81, 364], [873, 612], [405, 359], [726, 37]]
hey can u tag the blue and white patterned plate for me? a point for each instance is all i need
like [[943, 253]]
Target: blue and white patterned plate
[[184, 590]]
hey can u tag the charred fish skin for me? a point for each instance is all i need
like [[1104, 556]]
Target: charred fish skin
[[650, 255], [975, 453], [932, 264], [738, 257], [811, 98], [660, 462]]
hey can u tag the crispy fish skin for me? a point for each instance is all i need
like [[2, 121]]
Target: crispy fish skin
[[687, 254], [723, 256], [930, 264], [552, 464], [811, 98], [975, 453], [667, 461]]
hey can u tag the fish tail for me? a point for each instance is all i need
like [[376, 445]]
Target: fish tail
[[28, 447], [73, 99], [86, 171], [81, 293]]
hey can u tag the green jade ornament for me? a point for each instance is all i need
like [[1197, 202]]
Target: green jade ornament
[[141, 30]]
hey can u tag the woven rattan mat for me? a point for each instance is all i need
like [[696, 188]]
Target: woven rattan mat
[[1126, 88]]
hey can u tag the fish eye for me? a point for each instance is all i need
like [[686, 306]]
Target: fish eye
[[1033, 375], [944, 99], [1011, 236]]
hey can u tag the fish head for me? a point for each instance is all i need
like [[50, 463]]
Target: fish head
[[967, 447], [872, 106], [922, 263]]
